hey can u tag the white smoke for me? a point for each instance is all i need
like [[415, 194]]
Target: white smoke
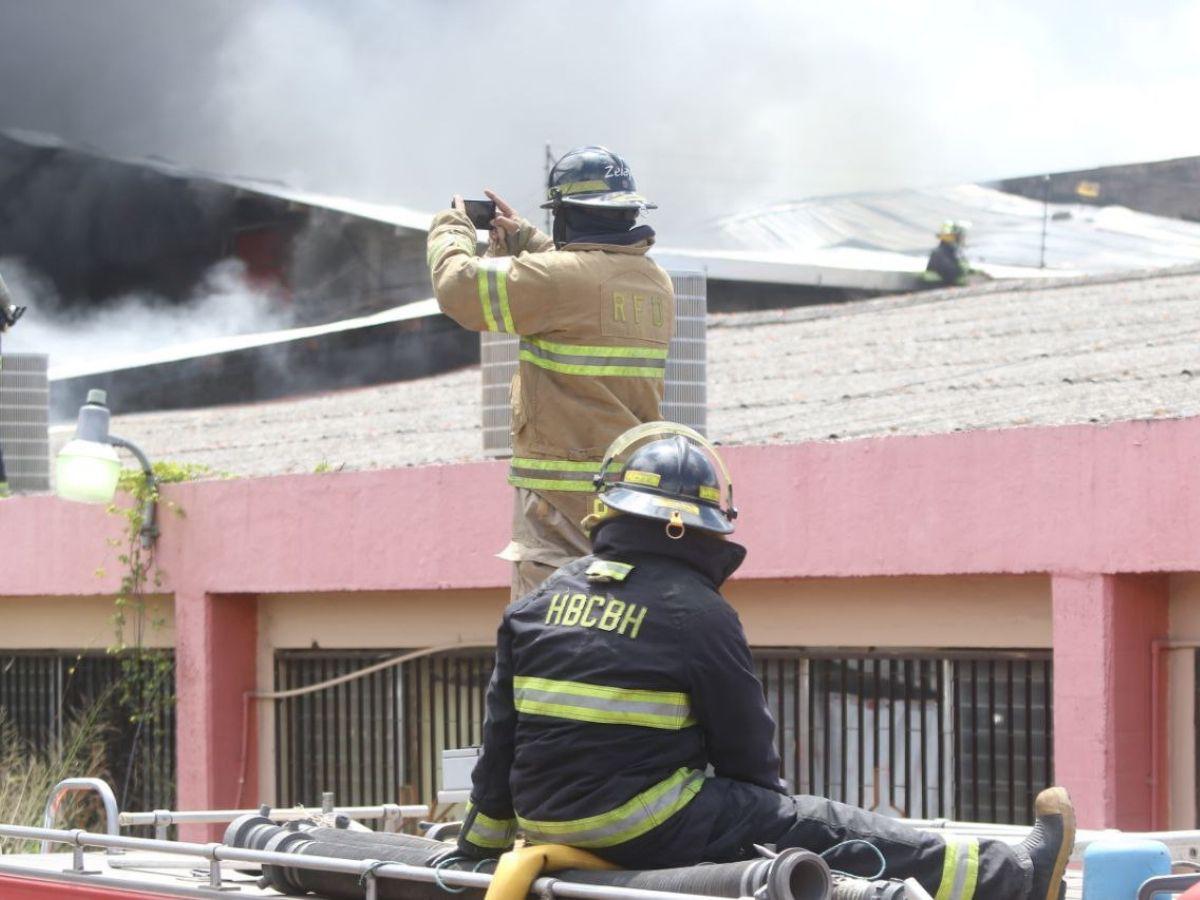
[[120, 333], [718, 105]]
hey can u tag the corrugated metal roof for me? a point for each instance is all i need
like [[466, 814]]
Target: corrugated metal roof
[[387, 213], [1003, 354], [1005, 234]]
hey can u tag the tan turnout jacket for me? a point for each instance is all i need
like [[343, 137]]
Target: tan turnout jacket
[[595, 321]]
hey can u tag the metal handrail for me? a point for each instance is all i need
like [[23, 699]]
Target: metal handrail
[[161, 819], [1161, 883], [368, 870], [100, 786]]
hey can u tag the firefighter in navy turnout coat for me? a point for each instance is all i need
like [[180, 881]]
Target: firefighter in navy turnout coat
[[625, 676]]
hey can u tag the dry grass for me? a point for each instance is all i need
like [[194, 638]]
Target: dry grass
[[27, 776]]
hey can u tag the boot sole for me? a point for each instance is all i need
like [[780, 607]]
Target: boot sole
[[1056, 802]]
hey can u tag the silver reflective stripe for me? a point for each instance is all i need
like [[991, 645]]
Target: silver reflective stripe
[[558, 361], [491, 833], [493, 292], [608, 570], [601, 704], [490, 836], [550, 473], [960, 869], [643, 812], [444, 244]]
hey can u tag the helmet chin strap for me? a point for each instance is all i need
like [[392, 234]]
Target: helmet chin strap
[[560, 227]]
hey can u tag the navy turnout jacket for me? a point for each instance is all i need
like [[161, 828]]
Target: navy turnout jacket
[[618, 682]]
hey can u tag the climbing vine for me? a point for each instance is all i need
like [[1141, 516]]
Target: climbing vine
[[145, 691]]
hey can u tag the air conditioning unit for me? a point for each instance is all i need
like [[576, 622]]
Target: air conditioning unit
[[24, 420], [685, 399]]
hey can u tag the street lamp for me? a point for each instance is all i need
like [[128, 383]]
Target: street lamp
[[87, 468]]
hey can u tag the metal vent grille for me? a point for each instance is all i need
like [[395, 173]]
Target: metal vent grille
[[685, 398], [24, 420]]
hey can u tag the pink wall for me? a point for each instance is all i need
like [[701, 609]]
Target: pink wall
[[1104, 629], [215, 668], [1084, 501], [1121, 498]]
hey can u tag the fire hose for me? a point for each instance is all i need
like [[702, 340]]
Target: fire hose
[[792, 875]]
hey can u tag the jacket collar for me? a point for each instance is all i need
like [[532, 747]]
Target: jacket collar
[[630, 536], [636, 240]]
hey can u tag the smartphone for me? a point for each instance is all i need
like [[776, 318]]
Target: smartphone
[[481, 213]]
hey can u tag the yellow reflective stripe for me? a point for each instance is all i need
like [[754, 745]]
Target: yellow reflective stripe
[[624, 371], [633, 476], [502, 290], [635, 817], [585, 689], [960, 870], [485, 301], [552, 474], [492, 282], [608, 570], [440, 246], [587, 359], [579, 187], [491, 833], [602, 704], [946, 883], [549, 484], [590, 350], [555, 465]]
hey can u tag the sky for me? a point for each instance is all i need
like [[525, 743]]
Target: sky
[[719, 107]]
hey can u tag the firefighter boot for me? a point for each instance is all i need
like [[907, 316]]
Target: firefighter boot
[[1049, 844]]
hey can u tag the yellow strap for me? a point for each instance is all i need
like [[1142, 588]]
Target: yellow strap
[[518, 869]]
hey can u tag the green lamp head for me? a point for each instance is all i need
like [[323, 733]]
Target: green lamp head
[[87, 468]]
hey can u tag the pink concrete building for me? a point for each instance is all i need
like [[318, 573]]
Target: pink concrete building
[[943, 621], [1083, 541]]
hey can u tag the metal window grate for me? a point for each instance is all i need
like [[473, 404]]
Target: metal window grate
[[378, 738], [961, 735], [685, 395], [958, 735], [40, 691], [1003, 712], [24, 420]]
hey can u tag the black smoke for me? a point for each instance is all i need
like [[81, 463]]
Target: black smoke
[[99, 229]]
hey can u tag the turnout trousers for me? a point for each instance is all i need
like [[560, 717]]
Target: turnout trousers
[[543, 539], [736, 815]]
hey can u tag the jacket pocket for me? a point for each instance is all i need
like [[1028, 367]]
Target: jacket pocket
[[519, 403]]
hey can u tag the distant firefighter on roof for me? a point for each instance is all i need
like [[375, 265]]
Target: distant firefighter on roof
[[947, 264]]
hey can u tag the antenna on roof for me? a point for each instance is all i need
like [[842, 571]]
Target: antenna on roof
[[1045, 214]]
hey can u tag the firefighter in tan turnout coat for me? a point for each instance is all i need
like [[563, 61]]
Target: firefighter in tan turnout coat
[[595, 317]]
